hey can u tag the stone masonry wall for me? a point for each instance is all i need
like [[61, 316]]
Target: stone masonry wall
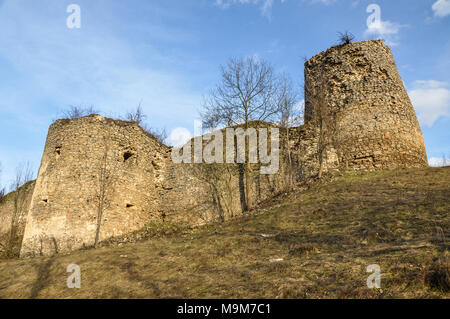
[[14, 209], [95, 166], [89, 163], [376, 126], [200, 193], [87, 157]]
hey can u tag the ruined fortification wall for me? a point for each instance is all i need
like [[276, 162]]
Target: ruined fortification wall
[[200, 193], [96, 165], [376, 126], [14, 209]]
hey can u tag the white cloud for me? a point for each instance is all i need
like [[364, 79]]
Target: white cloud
[[264, 5], [385, 30], [441, 8], [179, 136], [431, 99], [326, 2], [380, 29], [438, 161]]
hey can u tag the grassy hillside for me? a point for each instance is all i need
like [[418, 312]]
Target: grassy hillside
[[313, 243]]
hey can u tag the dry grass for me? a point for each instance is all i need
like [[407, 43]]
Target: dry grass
[[323, 240]]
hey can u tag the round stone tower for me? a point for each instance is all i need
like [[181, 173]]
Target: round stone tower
[[356, 90], [98, 177]]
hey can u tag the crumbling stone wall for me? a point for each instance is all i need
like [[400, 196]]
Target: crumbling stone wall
[[376, 126], [96, 165], [14, 209], [200, 193], [90, 165]]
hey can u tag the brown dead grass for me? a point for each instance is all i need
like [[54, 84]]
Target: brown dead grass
[[322, 239]]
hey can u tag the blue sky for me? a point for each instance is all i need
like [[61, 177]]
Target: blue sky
[[166, 54]]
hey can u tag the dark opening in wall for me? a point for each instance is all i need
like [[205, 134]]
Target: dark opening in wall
[[127, 156], [130, 205], [45, 200], [58, 151]]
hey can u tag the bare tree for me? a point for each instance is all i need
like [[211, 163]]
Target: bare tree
[[444, 160], [246, 92], [24, 174], [324, 117], [75, 112], [345, 38], [104, 186], [291, 113]]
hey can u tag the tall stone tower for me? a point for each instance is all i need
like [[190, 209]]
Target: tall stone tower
[[368, 111]]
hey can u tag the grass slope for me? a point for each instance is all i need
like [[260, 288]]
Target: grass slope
[[323, 238]]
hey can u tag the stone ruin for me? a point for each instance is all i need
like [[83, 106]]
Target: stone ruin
[[95, 164]]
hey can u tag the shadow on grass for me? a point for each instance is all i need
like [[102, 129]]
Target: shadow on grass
[[42, 278]]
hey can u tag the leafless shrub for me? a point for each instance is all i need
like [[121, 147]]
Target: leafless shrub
[[301, 249], [137, 115], [345, 38], [2, 189], [75, 112], [445, 161], [160, 134], [24, 174]]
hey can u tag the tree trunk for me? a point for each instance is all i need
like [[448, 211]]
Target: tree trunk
[[242, 187], [322, 146], [102, 193]]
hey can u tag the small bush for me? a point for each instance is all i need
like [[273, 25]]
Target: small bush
[[437, 274], [75, 112], [160, 135], [301, 249], [137, 115], [2, 194], [345, 38], [289, 237]]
